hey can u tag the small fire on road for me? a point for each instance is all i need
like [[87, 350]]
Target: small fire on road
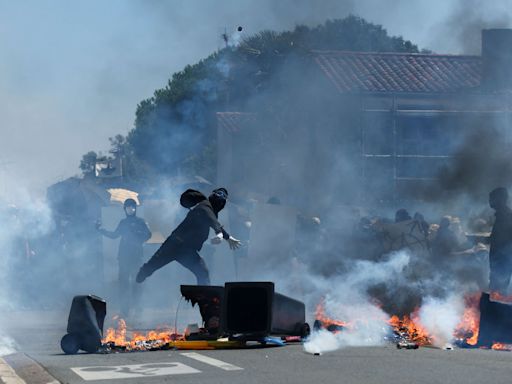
[[121, 339]]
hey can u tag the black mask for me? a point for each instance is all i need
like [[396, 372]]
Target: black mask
[[217, 202]]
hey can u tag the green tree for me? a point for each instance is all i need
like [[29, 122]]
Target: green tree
[[88, 163], [174, 130]]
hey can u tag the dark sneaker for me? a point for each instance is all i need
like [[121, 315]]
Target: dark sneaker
[[141, 276]]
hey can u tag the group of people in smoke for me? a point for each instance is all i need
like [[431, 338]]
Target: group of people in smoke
[[185, 242], [446, 240], [182, 245]]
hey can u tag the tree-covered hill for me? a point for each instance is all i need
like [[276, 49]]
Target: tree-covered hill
[[174, 130]]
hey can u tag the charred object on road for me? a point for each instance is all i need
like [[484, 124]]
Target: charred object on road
[[209, 300], [252, 311], [247, 311], [232, 316], [495, 322]]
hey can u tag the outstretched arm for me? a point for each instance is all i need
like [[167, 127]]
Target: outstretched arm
[[220, 232], [111, 235]]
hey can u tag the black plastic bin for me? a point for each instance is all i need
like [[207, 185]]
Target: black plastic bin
[[209, 300], [85, 324], [495, 322], [252, 311]]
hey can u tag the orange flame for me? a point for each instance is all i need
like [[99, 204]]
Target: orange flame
[[496, 296], [411, 328], [469, 325], [139, 341], [324, 319], [501, 347]]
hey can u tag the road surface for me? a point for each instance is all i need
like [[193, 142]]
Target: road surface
[[37, 336]]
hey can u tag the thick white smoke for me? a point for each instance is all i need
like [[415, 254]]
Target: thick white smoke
[[346, 300], [23, 219], [440, 317], [7, 345], [367, 324]]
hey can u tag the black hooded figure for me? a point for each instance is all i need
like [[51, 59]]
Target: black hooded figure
[[187, 239], [134, 232], [500, 254]]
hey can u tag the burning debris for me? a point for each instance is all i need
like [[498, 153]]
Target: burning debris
[[322, 321], [466, 334], [407, 333], [122, 340], [232, 315], [485, 323]]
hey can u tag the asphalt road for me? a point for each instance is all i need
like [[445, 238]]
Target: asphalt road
[[39, 340]]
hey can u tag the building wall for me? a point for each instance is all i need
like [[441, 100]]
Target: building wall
[[408, 139], [355, 149]]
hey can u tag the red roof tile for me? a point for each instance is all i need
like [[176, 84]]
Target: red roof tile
[[399, 72]]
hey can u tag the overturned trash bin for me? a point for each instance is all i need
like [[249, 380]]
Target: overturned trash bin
[[209, 300], [85, 324], [252, 311], [495, 322]]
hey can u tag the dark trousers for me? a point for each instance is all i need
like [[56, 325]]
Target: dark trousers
[[129, 293], [187, 257], [500, 272]]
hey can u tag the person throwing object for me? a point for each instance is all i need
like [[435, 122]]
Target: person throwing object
[[187, 239]]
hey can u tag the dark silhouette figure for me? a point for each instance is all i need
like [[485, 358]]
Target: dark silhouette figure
[[500, 255], [402, 215], [187, 239], [445, 241], [133, 232]]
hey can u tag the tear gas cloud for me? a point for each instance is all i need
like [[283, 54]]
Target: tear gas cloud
[[441, 316], [460, 31], [328, 270], [138, 52]]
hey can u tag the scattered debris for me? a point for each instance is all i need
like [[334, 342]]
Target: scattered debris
[[406, 344]]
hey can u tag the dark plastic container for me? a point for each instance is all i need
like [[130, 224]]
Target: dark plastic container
[[252, 311], [495, 322], [85, 324]]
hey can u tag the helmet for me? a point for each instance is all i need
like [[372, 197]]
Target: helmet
[[130, 203]]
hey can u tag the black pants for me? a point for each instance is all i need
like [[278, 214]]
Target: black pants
[[129, 293], [500, 272], [184, 255]]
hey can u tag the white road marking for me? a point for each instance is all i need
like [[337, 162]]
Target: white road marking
[[132, 371], [7, 374], [211, 361]]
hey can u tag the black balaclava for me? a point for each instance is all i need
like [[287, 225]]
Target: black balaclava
[[218, 199], [132, 204], [498, 198]]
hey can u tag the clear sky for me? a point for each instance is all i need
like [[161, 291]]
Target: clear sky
[[72, 72]]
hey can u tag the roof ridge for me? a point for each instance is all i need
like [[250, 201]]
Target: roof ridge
[[399, 72], [360, 53]]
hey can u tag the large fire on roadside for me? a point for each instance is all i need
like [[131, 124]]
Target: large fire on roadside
[[409, 327], [406, 330]]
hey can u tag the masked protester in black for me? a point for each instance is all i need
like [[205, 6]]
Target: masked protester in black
[[133, 232], [500, 255], [187, 239]]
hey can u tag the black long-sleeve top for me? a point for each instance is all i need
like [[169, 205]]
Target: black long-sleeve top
[[193, 231], [134, 232], [501, 235]]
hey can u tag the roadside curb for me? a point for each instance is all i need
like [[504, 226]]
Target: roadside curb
[[24, 370]]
